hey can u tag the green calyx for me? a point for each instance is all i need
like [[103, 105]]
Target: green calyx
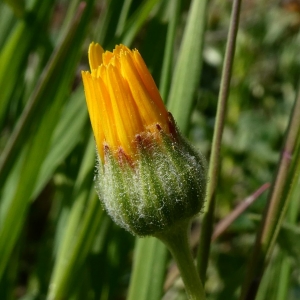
[[165, 185]]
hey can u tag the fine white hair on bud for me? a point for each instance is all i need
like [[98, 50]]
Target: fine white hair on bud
[[165, 184]]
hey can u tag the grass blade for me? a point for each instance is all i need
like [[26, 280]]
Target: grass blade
[[12, 224], [214, 163], [81, 228], [167, 63], [65, 137], [36, 106], [144, 259], [136, 21], [275, 209], [188, 67]]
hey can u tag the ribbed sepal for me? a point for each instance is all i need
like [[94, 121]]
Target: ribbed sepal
[[163, 185]]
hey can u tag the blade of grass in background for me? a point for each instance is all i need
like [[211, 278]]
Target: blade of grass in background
[[17, 6], [214, 163], [105, 27], [292, 214], [71, 12], [275, 209], [166, 72], [15, 53], [7, 22], [270, 282], [187, 71], [123, 17], [141, 278], [65, 138], [135, 22], [288, 253], [79, 232], [52, 90], [288, 234], [36, 105]]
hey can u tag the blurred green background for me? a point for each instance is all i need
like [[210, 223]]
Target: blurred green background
[[56, 242]]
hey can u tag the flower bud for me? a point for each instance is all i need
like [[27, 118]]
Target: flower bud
[[148, 177]]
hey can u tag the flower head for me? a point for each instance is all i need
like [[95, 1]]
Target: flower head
[[122, 98], [148, 177]]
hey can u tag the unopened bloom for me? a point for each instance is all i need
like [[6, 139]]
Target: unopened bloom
[[149, 178], [122, 99]]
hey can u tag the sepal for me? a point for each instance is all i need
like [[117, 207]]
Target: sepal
[[165, 183]]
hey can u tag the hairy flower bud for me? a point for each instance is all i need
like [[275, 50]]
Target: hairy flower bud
[[148, 177]]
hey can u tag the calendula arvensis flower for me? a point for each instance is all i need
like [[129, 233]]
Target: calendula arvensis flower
[[149, 177]]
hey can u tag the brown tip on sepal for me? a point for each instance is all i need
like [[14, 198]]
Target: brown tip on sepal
[[171, 118], [123, 158], [106, 152], [138, 139], [172, 126], [143, 141], [158, 127]]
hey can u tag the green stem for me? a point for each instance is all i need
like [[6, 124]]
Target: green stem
[[176, 239], [215, 159]]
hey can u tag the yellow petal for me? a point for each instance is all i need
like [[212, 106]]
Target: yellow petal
[[95, 56], [128, 122], [106, 57], [106, 115], [120, 48], [122, 98], [148, 82], [148, 110], [94, 110]]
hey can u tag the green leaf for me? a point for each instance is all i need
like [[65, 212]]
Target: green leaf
[[7, 23], [65, 137], [52, 90], [16, 50], [17, 6], [188, 67], [289, 241], [135, 22], [142, 283], [80, 230], [174, 10]]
